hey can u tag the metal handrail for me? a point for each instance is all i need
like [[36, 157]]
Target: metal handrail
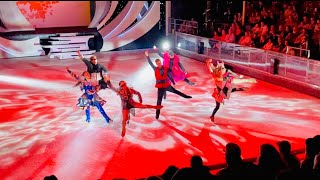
[[293, 67], [300, 49], [175, 24]]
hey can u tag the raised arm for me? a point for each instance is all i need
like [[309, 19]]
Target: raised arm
[[80, 55], [86, 61], [149, 60], [112, 87], [136, 93], [210, 66], [73, 74]]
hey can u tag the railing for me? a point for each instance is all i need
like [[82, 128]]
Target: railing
[[184, 26], [293, 67], [298, 51]]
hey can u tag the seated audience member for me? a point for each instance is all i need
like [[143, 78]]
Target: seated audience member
[[262, 41], [246, 39], [236, 168], [269, 162], [223, 35], [268, 46], [230, 37], [169, 172], [279, 46], [195, 172], [256, 28], [52, 177]]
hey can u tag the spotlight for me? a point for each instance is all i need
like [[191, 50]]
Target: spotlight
[[154, 47], [166, 46], [179, 45]]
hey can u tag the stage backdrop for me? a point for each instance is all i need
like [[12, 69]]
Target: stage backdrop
[[44, 14], [28, 28]]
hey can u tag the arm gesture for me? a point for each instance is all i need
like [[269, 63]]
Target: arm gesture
[[79, 54]]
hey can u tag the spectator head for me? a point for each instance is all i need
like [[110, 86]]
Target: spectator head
[[169, 172], [279, 40], [317, 138], [280, 27], [317, 141], [287, 29], [196, 162], [271, 27], [311, 147], [284, 147], [223, 31], [233, 154], [269, 157], [286, 43], [52, 177], [305, 19]]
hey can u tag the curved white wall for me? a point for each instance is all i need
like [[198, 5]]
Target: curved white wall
[[102, 8], [10, 48], [148, 21], [12, 17]]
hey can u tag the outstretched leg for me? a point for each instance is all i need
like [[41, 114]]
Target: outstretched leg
[[215, 111], [103, 112], [238, 89], [147, 106], [189, 82], [88, 114], [244, 80], [173, 90]]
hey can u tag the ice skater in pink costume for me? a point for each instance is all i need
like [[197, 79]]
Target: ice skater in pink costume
[[172, 61], [225, 83]]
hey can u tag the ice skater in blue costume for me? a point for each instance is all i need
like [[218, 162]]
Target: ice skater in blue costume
[[90, 96]]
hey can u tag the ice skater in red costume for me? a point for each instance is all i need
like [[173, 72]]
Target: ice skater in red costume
[[172, 61], [128, 104], [225, 83], [163, 81]]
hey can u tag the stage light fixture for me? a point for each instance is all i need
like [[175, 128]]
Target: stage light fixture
[[166, 45]]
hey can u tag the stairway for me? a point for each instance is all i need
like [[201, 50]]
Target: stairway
[[66, 45]]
